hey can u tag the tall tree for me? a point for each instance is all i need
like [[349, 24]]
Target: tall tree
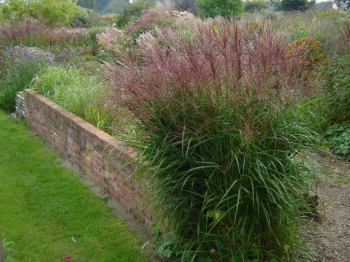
[[295, 5], [226, 8]]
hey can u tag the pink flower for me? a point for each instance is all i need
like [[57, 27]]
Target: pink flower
[[67, 258]]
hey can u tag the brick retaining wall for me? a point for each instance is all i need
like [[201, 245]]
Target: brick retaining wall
[[99, 155]]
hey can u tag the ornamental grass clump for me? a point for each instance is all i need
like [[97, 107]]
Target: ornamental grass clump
[[219, 134]]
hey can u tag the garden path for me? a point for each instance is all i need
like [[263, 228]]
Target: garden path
[[331, 236]]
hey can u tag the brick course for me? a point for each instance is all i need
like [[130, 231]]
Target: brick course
[[100, 156]]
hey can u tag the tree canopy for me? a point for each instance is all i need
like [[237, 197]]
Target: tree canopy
[[51, 12], [225, 8], [294, 5]]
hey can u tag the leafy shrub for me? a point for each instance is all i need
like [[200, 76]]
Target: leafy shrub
[[74, 90], [299, 31], [226, 8], [123, 20], [93, 32], [51, 12], [219, 132], [338, 137], [21, 65]]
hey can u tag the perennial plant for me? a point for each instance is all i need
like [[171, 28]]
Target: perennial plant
[[220, 128]]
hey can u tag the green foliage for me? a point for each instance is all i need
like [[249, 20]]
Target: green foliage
[[225, 8], [93, 32], [74, 90], [135, 8], [123, 20], [255, 5], [51, 12], [294, 5], [337, 89], [338, 137], [21, 64], [221, 151], [50, 205], [215, 186], [298, 31]]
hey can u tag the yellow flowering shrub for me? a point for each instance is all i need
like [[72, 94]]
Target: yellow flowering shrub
[[308, 52]]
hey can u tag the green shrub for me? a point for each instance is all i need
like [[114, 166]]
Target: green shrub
[[225, 8], [21, 65], [51, 12], [93, 32], [220, 127], [338, 137], [74, 90]]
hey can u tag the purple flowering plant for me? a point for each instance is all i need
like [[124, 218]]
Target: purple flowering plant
[[20, 64], [26, 32]]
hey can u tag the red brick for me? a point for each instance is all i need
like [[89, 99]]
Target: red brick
[[124, 203], [107, 161], [137, 215]]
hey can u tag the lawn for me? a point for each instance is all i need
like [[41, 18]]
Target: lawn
[[46, 213]]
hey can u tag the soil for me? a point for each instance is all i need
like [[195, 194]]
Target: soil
[[330, 235]]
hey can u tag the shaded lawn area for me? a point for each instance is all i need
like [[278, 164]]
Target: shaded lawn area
[[43, 205]]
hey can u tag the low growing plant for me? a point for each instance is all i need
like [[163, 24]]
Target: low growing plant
[[338, 137], [219, 130]]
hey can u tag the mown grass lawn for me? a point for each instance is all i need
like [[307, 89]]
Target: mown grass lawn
[[43, 206]]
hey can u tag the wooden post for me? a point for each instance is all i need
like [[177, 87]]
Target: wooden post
[[2, 255]]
